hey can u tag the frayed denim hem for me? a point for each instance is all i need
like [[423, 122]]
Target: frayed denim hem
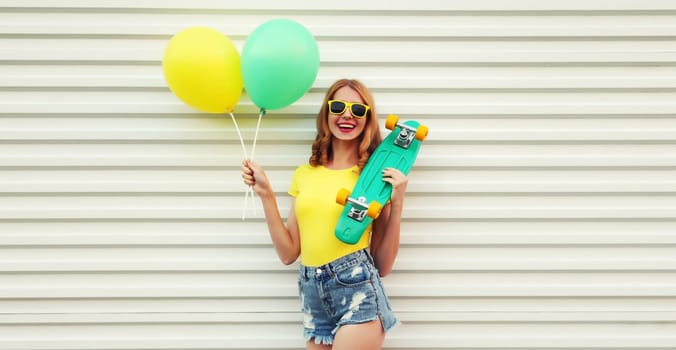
[[319, 339], [396, 324], [385, 328], [352, 322], [328, 339]]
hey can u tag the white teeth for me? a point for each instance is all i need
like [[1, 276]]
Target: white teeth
[[346, 126]]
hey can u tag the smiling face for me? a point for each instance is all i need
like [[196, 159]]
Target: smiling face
[[344, 126], [361, 136]]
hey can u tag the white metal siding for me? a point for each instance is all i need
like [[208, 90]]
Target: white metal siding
[[541, 212]]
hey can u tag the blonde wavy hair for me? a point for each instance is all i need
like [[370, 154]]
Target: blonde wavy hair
[[370, 138]]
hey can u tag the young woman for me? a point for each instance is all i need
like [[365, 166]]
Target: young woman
[[343, 300]]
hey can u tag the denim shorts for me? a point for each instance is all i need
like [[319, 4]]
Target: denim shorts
[[345, 291]]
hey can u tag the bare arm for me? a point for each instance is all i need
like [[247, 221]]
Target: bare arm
[[284, 237], [386, 229]]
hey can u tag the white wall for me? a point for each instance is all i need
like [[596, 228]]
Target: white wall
[[541, 212]]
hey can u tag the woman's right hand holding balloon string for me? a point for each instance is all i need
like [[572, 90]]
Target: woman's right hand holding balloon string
[[255, 177]]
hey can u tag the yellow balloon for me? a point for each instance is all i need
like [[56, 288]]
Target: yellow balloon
[[202, 68]]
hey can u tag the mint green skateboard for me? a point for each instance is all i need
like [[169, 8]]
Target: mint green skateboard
[[398, 150]]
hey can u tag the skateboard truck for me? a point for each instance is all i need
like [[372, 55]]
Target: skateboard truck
[[406, 133], [360, 208], [405, 136]]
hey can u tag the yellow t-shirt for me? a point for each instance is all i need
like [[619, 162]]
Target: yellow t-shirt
[[317, 213]]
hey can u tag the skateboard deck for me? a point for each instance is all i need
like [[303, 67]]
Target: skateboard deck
[[398, 150]]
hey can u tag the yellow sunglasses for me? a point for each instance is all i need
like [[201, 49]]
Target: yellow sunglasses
[[358, 110]]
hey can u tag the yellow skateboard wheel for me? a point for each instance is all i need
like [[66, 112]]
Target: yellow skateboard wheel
[[421, 133], [391, 121], [374, 210], [341, 197]]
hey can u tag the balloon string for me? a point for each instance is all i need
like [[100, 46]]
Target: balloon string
[[253, 151], [258, 127], [241, 142]]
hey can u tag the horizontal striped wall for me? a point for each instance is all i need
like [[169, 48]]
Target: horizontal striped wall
[[541, 213]]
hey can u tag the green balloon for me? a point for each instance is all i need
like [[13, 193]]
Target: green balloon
[[280, 60]]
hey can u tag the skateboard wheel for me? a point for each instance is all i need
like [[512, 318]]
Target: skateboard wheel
[[421, 133], [341, 197], [374, 210], [391, 121]]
